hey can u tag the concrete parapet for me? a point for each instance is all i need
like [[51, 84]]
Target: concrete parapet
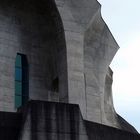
[[41, 120]]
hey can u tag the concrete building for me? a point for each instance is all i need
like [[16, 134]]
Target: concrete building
[[55, 79]]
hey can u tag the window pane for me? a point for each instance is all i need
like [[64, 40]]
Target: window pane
[[18, 101], [18, 88], [18, 74], [18, 61], [21, 80], [25, 90], [24, 74]]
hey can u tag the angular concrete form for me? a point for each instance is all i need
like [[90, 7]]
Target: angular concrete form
[[32, 28], [69, 49], [60, 121], [90, 50], [42, 120]]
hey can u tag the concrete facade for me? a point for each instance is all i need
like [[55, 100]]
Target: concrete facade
[[65, 40], [90, 49], [60, 121], [40, 37], [43, 120]]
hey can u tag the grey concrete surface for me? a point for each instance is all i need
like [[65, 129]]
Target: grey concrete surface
[[52, 121], [59, 121], [33, 28], [67, 43], [43, 120], [90, 49]]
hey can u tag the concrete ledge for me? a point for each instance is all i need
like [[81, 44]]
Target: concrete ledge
[[41, 120]]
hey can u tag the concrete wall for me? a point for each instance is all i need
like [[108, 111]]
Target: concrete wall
[[90, 50], [59, 121], [52, 121], [33, 28], [110, 113], [40, 120], [102, 132], [68, 49], [76, 16], [99, 50]]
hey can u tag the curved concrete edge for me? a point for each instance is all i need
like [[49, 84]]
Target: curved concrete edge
[[125, 125], [111, 117], [40, 120], [99, 50], [55, 121], [90, 50]]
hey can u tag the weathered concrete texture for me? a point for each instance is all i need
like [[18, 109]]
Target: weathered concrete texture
[[33, 28], [76, 16], [90, 50], [52, 121], [69, 49], [59, 121], [110, 114], [40, 120], [97, 131]]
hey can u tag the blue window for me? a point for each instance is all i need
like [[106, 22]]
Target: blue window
[[18, 74], [21, 80], [18, 60], [18, 88]]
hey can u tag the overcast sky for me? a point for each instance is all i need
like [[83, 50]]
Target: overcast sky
[[123, 19]]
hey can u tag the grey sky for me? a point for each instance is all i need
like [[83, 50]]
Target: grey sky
[[123, 19]]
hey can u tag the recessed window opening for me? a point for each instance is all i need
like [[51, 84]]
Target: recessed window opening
[[21, 80]]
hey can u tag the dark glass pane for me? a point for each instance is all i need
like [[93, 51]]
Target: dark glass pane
[[24, 69], [18, 88], [18, 74], [24, 61], [25, 89], [18, 101], [21, 80], [24, 74], [18, 61]]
